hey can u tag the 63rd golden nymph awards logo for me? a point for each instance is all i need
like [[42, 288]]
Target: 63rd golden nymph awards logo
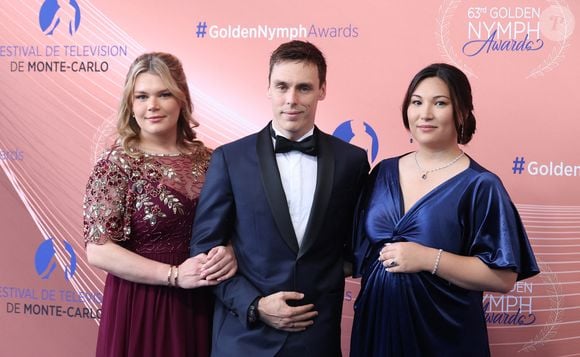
[[523, 38]]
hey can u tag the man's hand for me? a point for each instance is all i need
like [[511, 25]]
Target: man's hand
[[275, 312]]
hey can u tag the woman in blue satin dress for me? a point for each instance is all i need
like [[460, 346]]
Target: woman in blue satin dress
[[434, 230]]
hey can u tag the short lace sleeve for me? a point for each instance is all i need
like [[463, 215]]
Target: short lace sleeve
[[105, 203]]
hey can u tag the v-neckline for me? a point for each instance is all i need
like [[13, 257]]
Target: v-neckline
[[418, 202]]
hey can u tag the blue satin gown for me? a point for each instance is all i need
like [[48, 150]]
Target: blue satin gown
[[420, 314]]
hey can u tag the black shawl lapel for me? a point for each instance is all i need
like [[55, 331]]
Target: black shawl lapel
[[324, 182], [273, 187]]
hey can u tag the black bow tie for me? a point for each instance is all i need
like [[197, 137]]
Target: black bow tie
[[306, 146]]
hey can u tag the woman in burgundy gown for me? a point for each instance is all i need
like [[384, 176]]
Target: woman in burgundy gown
[[138, 213]]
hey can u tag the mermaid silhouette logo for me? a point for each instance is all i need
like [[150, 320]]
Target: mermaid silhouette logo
[[361, 134], [45, 260], [59, 14]]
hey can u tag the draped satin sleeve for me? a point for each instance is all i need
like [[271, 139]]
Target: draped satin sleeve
[[498, 235]]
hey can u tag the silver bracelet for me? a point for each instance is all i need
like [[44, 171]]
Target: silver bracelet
[[436, 266]]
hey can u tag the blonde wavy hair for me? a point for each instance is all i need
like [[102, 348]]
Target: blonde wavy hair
[[170, 70]]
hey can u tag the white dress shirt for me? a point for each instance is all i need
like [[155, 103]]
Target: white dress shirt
[[298, 172]]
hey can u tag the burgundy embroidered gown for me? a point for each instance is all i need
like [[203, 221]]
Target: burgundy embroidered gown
[[147, 205]]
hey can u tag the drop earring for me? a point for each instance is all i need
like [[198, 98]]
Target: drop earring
[[410, 139]]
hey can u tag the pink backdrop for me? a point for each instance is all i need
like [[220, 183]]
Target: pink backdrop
[[59, 92]]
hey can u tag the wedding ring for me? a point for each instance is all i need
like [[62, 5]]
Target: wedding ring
[[393, 263]]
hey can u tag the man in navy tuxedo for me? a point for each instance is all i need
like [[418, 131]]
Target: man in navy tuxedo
[[284, 198]]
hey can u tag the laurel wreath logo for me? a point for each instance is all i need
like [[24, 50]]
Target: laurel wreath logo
[[446, 13], [551, 326], [556, 56]]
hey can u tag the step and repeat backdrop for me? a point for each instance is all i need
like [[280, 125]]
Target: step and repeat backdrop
[[62, 66]]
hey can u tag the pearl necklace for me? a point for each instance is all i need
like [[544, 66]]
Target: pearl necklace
[[425, 172]]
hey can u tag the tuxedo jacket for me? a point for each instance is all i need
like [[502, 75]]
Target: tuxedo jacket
[[243, 202]]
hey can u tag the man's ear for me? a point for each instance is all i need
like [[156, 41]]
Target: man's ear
[[322, 91]]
